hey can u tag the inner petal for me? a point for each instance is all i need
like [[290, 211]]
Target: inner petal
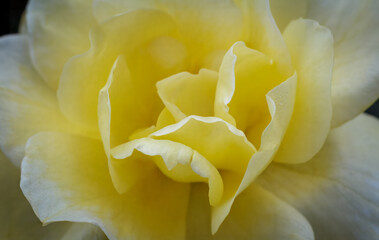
[[186, 94], [245, 77]]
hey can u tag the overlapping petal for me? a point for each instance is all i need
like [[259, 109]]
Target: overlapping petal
[[338, 189], [311, 48], [256, 214], [84, 75], [18, 221], [356, 48], [77, 187], [57, 31], [27, 104]]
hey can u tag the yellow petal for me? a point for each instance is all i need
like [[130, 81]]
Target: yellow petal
[[27, 104], [78, 89], [121, 110], [246, 76], [185, 94], [280, 101], [58, 30], [311, 48], [175, 160], [262, 34], [206, 26], [18, 221], [71, 174], [338, 188]]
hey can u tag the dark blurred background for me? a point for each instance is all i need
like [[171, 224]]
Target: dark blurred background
[[11, 11]]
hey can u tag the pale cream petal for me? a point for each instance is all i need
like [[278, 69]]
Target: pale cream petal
[[78, 90], [311, 48], [66, 178], [186, 94], [27, 104], [18, 221], [58, 30], [354, 27], [338, 190], [256, 214]]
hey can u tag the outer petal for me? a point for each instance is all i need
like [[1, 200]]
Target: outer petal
[[66, 178], [354, 26], [58, 30], [311, 48], [27, 105], [338, 190], [256, 214], [84, 75], [18, 221]]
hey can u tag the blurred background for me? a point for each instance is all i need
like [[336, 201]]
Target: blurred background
[[11, 11]]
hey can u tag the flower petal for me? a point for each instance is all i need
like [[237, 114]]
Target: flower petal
[[58, 30], [354, 26], [78, 90], [71, 174], [311, 48], [339, 188], [207, 25], [256, 214], [185, 94], [27, 104], [18, 221]]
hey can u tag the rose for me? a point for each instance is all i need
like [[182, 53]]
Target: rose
[[130, 138]]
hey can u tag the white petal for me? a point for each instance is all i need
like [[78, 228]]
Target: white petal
[[338, 190]]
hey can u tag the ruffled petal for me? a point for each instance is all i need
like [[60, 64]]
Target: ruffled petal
[[338, 190], [71, 174], [79, 88], [58, 30], [18, 221], [27, 104], [311, 48], [245, 77]]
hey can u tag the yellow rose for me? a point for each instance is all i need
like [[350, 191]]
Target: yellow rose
[[191, 119]]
